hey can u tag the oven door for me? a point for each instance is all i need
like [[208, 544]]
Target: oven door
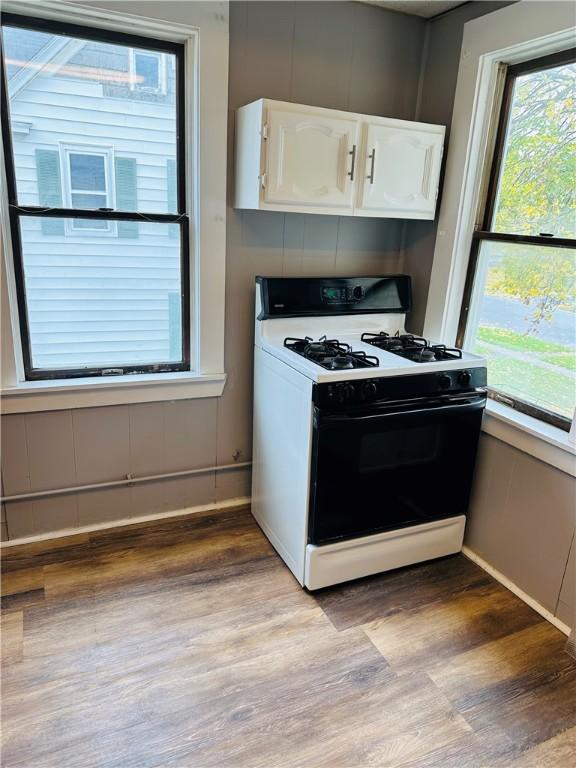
[[390, 466]]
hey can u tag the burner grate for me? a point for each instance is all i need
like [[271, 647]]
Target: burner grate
[[331, 354], [411, 347]]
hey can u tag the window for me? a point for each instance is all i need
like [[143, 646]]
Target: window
[[87, 178], [148, 71], [519, 307], [96, 190]]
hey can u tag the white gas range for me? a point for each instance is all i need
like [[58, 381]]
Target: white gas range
[[364, 436]]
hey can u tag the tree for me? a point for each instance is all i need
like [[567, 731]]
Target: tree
[[537, 193], [541, 277]]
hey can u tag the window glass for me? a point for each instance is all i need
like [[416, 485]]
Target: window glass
[[81, 200], [102, 300], [147, 70], [536, 191], [523, 320], [87, 172], [66, 90]]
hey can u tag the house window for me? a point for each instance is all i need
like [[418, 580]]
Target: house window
[[88, 184], [148, 71], [97, 203], [519, 307]]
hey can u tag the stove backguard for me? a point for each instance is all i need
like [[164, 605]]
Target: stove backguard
[[325, 296]]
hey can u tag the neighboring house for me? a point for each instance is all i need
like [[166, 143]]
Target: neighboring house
[[93, 126]]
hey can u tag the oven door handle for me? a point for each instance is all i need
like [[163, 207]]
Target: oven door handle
[[447, 405]]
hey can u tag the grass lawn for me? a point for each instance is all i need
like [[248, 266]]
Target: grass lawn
[[557, 354], [526, 379], [546, 388], [560, 359]]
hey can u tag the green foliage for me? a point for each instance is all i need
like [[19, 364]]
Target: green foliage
[[539, 276], [537, 193]]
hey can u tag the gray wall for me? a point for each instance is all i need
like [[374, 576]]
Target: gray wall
[[521, 521], [342, 55], [441, 60], [522, 513]]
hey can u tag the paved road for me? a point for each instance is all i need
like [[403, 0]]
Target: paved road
[[511, 314]]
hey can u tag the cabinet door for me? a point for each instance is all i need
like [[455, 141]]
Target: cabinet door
[[401, 170], [309, 160]]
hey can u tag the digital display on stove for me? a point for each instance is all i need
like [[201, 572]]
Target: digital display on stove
[[330, 293]]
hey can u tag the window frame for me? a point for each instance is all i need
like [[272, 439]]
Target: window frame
[[181, 218], [483, 231], [162, 88]]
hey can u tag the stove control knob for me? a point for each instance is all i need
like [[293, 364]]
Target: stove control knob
[[444, 381], [464, 378], [346, 393], [358, 292], [369, 390]]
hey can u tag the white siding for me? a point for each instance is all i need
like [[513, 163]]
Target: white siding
[[93, 298]]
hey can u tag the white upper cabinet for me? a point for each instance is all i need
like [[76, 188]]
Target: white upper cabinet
[[291, 157], [401, 169], [309, 157]]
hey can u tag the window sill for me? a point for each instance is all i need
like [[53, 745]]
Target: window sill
[[60, 394], [543, 441]]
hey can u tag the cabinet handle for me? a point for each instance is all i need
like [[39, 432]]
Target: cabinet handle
[[353, 153], [372, 157]]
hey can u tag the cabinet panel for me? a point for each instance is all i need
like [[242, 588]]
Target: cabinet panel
[[291, 157], [309, 157], [400, 171]]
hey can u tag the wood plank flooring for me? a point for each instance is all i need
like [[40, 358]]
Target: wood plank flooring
[[188, 644]]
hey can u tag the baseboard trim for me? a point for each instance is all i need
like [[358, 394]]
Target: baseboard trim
[[544, 612], [240, 501]]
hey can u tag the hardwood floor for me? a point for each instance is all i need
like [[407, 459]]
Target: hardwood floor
[[188, 644]]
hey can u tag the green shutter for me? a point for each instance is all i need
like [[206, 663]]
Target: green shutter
[[126, 197], [172, 197], [175, 326], [49, 188]]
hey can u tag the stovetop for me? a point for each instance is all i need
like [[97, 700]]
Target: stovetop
[[299, 322], [332, 354], [336, 355], [410, 347], [324, 353]]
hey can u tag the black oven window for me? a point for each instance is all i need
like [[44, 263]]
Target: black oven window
[[400, 448]]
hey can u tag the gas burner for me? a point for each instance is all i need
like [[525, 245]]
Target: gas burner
[[411, 347], [442, 352], [330, 353], [339, 363]]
